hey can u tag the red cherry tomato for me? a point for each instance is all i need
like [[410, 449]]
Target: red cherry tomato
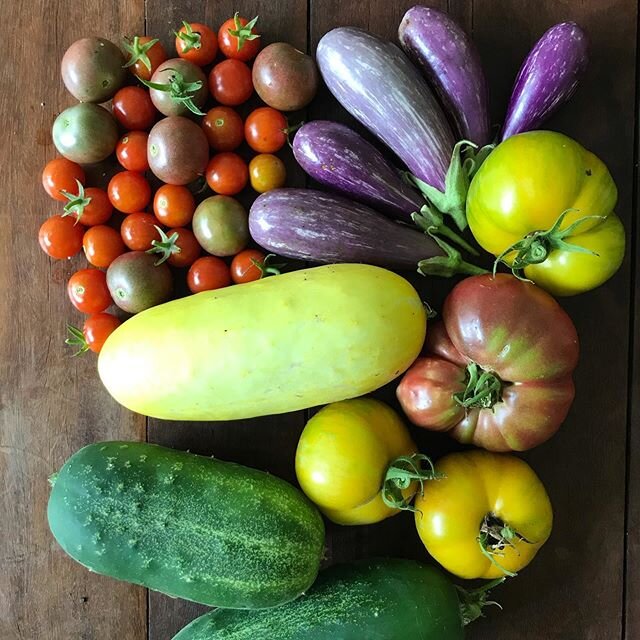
[[138, 231], [230, 82], [239, 39], [88, 291], [227, 173], [265, 130], [102, 245], [224, 128], [97, 328], [189, 247], [60, 237], [208, 273], [129, 191], [61, 174], [197, 43], [174, 205], [243, 267], [131, 151], [146, 54], [133, 109]]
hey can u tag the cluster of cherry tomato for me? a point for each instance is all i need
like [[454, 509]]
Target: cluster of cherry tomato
[[88, 222]]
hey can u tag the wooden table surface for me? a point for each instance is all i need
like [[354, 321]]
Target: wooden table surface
[[585, 583]]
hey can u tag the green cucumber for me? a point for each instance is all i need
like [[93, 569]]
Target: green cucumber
[[192, 527], [368, 600]]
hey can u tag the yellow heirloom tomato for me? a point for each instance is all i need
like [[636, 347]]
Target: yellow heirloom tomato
[[544, 205], [357, 462], [487, 517]]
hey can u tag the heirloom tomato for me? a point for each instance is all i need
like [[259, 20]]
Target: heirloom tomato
[[487, 516], [499, 366], [544, 205], [358, 463]]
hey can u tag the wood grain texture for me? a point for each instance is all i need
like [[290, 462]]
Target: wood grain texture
[[50, 403]]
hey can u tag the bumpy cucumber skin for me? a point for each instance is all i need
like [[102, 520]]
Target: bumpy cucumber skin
[[193, 527], [367, 600]]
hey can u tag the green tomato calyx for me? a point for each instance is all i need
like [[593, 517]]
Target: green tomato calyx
[[495, 536], [536, 246], [191, 38], [138, 52], [179, 89], [166, 246], [76, 339], [401, 473], [76, 202], [267, 267], [483, 390], [473, 601], [243, 33]]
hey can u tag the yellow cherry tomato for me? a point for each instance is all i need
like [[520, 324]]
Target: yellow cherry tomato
[[267, 172], [545, 205], [487, 517], [345, 453]]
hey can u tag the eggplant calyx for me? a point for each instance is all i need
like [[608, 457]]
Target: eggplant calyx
[[448, 265], [179, 89], [166, 246], [76, 339], [536, 246], [76, 202], [191, 38], [473, 601], [483, 390], [430, 220], [495, 536], [138, 52], [400, 474], [243, 33], [267, 267]]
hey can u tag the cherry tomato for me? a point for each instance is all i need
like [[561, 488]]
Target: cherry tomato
[[190, 249], [146, 54], [243, 268], [267, 172], [60, 237], [97, 328], [61, 174], [265, 130], [227, 173], [131, 151], [238, 38], [102, 245], [174, 205], [129, 191], [133, 109], [197, 43], [90, 206], [138, 231], [230, 82], [208, 273], [88, 291], [224, 128]]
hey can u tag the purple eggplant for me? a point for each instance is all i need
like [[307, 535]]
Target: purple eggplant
[[344, 161], [322, 227], [450, 61], [547, 79], [377, 84]]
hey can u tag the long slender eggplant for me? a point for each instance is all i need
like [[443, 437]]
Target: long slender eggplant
[[378, 85], [342, 160], [449, 59], [547, 79]]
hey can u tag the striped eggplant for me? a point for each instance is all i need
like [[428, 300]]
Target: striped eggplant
[[322, 227], [449, 59], [547, 79], [342, 160], [377, 84]]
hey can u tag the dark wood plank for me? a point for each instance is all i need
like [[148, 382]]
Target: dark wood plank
[[50, 404], [556, 597], [267, 443]]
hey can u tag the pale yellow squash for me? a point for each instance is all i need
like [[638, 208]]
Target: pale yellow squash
[[279, 344]]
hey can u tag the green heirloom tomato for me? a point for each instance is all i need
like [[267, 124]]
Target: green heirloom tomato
[[220, 224], [544, 205]]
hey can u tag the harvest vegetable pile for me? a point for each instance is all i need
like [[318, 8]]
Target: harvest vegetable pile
[[517, 215]]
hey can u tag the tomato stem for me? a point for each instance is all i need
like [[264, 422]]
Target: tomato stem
[[495, 536], [191, 38], [483, 390], [166, 246], [138, 52], [76, 203], [76, 339], [268, 268], [473, 601], [179, 89], [401, 473], [243, 33]]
